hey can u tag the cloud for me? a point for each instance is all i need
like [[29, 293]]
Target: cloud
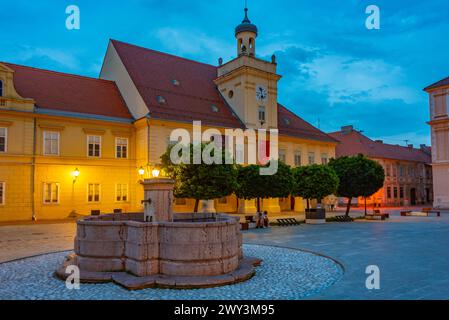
[[63, 58], [193, 43], [345, 79]]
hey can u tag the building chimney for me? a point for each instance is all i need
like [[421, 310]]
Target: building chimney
[[410, 146], [379, 141], [347, 129]]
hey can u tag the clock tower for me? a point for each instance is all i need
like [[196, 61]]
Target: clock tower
[[249, 84]]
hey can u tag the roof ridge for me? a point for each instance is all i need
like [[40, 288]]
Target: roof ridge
[[436, 84], [163, 53], [58, 72]]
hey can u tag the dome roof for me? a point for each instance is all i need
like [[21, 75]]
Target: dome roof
[[246, 25]]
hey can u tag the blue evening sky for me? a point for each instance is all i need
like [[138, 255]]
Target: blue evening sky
[[335, 71]]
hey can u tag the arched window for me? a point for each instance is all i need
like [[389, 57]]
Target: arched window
[[1, 88], [251, 43]]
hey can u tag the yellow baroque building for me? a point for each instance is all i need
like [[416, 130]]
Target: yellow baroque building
[[73, 145]]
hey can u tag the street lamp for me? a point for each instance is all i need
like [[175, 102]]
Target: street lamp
[[141, 171], [155, 173], [75, 174]]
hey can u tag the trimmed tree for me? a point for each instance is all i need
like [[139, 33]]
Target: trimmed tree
[[252, 185], [359, 177], [200, 181], [315, 182]]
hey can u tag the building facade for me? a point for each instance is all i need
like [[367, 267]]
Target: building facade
[[71, 145], [408, 174], [439, 123]]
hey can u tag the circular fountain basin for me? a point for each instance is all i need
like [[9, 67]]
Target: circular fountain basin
[[195, 250]]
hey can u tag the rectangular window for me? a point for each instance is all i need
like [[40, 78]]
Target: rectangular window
[[223, 200], [93, 192], [121, 147], [51, 143], [324, 158], [3, 139], [395, 192], [388, 193], [401, 192], [297, 158], [180, 202], [121, 192], [2, 193], [387, 170], [94, 146], [51, 193], [282, 156], [311, 157], [262, 114]]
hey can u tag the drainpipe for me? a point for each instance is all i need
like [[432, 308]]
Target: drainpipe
[[148, 138], [33, 171]]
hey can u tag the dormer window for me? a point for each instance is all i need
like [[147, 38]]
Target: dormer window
[[262, 114], [175, 83], [1, 88], [214, 108], [286, 121], [161, 100]]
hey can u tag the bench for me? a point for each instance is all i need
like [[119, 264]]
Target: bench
[[342, 219], [430, 210], [377, 215], [288, 222], [249, 219]]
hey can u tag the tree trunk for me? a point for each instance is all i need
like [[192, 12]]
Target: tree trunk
[[348, 207], [195, 209], [365, 206], [308, 204], [258, 204]]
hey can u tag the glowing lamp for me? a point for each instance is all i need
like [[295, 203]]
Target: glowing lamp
[[76, 173], [141, 171], [155, 173]]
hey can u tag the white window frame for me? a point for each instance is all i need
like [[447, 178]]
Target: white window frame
[[121, 148], [100, 145], [283, 155], [58, 134], [121, 192], [324, 156], [309, 156], [44, 185], [93, 194], [3, 195], [6, 140], [295, 158]]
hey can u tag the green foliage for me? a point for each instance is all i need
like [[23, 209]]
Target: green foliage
[[359, 177], [253, 185], [315, 181], [200, 181]]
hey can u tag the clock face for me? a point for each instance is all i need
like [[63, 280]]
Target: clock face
[[261, 93]]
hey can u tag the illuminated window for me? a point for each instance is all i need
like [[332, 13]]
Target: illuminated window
[[2, 193], [180, 202], [121, 147], [94, 146], [93, 192], [51, 143], [3, 139], [51, 193], [298, 158], [121, 192]]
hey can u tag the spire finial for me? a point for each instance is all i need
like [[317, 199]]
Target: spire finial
[[246, 13]]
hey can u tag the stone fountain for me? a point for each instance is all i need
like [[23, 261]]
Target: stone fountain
[[158, 248]]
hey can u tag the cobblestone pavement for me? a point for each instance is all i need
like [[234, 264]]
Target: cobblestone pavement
[[27, 240], [411, 252]]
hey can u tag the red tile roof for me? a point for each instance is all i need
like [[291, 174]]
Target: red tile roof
[[153, 73], [354, 143], [291, 125], [442, 83], [69, 93]]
